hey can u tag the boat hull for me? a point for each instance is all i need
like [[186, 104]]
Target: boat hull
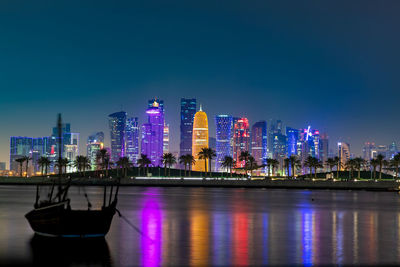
[[59, 221]]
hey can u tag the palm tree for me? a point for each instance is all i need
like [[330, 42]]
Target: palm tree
[[78, 163], [395, 163], [351, 165], [380, 158], [244, 156], [374, 163], [61, 164], [144, 161], [358, 164], [271, 164], [42, 163], [274, 164], [182, 160], [332, 162], [228, 163], [104, 158], [124, 163], [190, 161], [26, 159], [85, 162], [203, 154], [286, 163], [252, 164], [20, 162], [168, 160], [294, 163], [338, 166], [309, 163]]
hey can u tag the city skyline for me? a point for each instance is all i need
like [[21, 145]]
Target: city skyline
[[269, 61]]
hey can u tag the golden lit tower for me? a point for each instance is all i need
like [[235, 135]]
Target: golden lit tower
[[200, 138]]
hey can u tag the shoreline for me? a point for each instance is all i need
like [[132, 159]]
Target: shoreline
[[228, 183]]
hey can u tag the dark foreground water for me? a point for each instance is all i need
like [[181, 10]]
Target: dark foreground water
[[216, 226]]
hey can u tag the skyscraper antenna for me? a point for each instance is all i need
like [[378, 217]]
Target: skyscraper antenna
[[201, 109]]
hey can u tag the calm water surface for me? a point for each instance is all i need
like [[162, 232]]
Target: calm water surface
[[217, 226]]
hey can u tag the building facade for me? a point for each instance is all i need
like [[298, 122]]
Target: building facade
[[259, 142], [117, 123], [241, 140], [132, 134], [94, 144], [199, 139], [223, 148], [153, 134], [343, 154], [188, 110]]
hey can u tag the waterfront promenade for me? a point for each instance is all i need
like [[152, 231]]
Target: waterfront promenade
[[382, 185]]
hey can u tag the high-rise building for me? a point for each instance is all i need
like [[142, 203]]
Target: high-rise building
[[95, 143], [241, 140], [368, 150], [19, 147], [324, 148], [132, 139], [223, 148], [188, 110], [71, 150], [200, 138], [292, 140], [117, 123], [153, 133], [259, 142], [34, 148], [166, 139], [343, 154], [2, 166]]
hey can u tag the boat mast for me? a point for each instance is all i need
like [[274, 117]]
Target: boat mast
[[59, 128]]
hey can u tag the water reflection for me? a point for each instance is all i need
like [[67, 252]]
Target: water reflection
[[151, 238], [199, 227]]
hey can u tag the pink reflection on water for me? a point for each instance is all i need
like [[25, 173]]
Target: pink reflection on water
[[151, 239]]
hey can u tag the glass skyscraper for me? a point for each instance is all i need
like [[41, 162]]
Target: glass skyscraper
[[188, 110], [200, 139], [95, 143], [117, 124], [153, 132], [223, 126], [241, 139], [259, 142], [132, 139], [292, 139]]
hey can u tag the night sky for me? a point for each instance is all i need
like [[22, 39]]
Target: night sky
[[332, 64]]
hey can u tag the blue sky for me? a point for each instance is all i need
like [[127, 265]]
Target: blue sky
[[331, 64]]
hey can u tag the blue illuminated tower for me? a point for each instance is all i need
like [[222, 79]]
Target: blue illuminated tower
[[117, 123], [223, 125], [292, 139], [132, 139], [259, 142], [188, 110]]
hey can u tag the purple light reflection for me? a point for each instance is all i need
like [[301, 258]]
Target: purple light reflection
[[151, 240]]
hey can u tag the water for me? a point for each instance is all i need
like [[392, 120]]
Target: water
[[217, 226]]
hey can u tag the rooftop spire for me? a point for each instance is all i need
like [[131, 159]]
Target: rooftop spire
[[200, 108]]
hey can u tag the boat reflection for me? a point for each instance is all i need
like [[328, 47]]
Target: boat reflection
[[70, 252]]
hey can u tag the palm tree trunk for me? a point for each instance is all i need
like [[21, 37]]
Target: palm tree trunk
[[169, 171], [205, 167], [380, 171], [359, 173], [165, 170], [230, 169]]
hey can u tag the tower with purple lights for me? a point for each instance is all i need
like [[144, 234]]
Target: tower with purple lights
[[152, 133]]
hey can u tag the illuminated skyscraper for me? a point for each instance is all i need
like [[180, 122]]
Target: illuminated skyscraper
[[71, 149], [94, 144], [166, 139], [153, 133], [241, 139], [117, 123], [223, 125], [200, 138], [259, 142], [292, 139], [343, 154], [132, 139], [188, 110], [324, 148]]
